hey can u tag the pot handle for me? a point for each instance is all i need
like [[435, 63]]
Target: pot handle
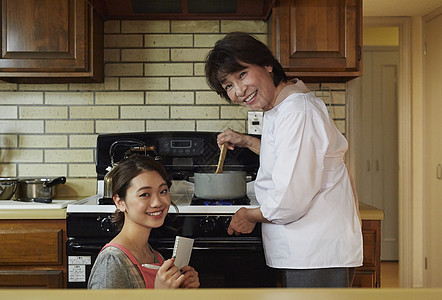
[[55, 181]]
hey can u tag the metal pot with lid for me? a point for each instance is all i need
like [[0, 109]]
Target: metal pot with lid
[[37, 189]]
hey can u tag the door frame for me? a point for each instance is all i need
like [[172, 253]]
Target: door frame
[[407, 224], [428, 276]]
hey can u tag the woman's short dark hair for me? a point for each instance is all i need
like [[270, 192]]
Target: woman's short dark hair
[[232, 50], [126, 170]]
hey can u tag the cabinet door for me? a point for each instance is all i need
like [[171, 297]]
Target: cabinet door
[[364, 279], [47, 38], [369, 274], [320, 38]]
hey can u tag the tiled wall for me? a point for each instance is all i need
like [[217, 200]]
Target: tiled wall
[[154, 80]]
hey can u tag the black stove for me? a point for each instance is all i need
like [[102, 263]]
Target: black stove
[[182, 153], [105, 201], [220, 259]]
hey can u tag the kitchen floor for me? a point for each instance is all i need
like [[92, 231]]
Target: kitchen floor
[[389, 274]]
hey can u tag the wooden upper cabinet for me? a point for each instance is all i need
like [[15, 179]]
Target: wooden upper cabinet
[[318, 39], [51, 39]]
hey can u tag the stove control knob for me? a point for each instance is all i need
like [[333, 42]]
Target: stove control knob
[[107, 224], [226, 222], [207, 224]]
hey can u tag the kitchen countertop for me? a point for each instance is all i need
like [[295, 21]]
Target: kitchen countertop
[[181, 195], [222, 294], [366, 211], [369, 212], [47, 212], [10, 209]]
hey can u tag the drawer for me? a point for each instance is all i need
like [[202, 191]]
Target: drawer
[[31, 279], [31, 243]]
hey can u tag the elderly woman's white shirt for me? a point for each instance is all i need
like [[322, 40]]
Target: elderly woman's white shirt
[[303, 187]]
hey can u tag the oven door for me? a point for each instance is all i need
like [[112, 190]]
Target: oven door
[[81, 256], [234, 262]]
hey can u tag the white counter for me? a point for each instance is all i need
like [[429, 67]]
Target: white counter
[[55, 204]]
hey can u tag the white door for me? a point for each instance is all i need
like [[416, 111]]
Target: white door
[[377, 157], [433, 148]]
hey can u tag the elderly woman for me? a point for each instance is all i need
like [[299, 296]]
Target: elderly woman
[[308, 208]]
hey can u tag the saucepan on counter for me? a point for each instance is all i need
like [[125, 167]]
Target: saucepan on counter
[[7, 188], [37, 189]]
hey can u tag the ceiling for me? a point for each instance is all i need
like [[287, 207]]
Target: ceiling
[[396, 8]]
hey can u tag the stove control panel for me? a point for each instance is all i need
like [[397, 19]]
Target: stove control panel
[[180, 146], [214, 223]]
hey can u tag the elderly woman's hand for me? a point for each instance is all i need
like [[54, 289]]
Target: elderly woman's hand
[[241, 222], [231, 138], [234, 139]]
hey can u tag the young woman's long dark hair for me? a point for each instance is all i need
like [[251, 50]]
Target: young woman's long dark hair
[[230, 52], [126, 170]]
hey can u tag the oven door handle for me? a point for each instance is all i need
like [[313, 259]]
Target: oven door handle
[[87, 247]]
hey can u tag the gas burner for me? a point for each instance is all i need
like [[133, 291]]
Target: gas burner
[[209, 202], [105, 201]]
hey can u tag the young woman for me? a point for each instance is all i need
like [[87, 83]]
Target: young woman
[[308, 209], [140, 188]]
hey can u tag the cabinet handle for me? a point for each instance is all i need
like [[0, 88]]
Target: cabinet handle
[[439, 171], [377, 165], [368, 166], [359, 53]]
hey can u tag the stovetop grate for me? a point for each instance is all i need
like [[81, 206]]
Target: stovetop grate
[[213, 202]]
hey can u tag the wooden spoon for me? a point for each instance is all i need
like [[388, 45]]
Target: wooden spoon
[[222, 157]]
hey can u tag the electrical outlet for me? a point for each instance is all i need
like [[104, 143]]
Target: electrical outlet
[[255, 119]]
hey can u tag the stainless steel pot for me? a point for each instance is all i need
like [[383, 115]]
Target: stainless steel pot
[[7, 188], [226, 185], [37, 189]]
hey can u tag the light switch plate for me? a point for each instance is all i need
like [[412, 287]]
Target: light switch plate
[[254, 123]]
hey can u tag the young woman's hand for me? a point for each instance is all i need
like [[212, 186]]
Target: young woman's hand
[[169, 276], [191, 280]]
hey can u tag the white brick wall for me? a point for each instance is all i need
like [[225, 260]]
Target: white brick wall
[[154, 81]]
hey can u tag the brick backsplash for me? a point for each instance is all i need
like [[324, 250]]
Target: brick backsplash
[[154, 81]]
